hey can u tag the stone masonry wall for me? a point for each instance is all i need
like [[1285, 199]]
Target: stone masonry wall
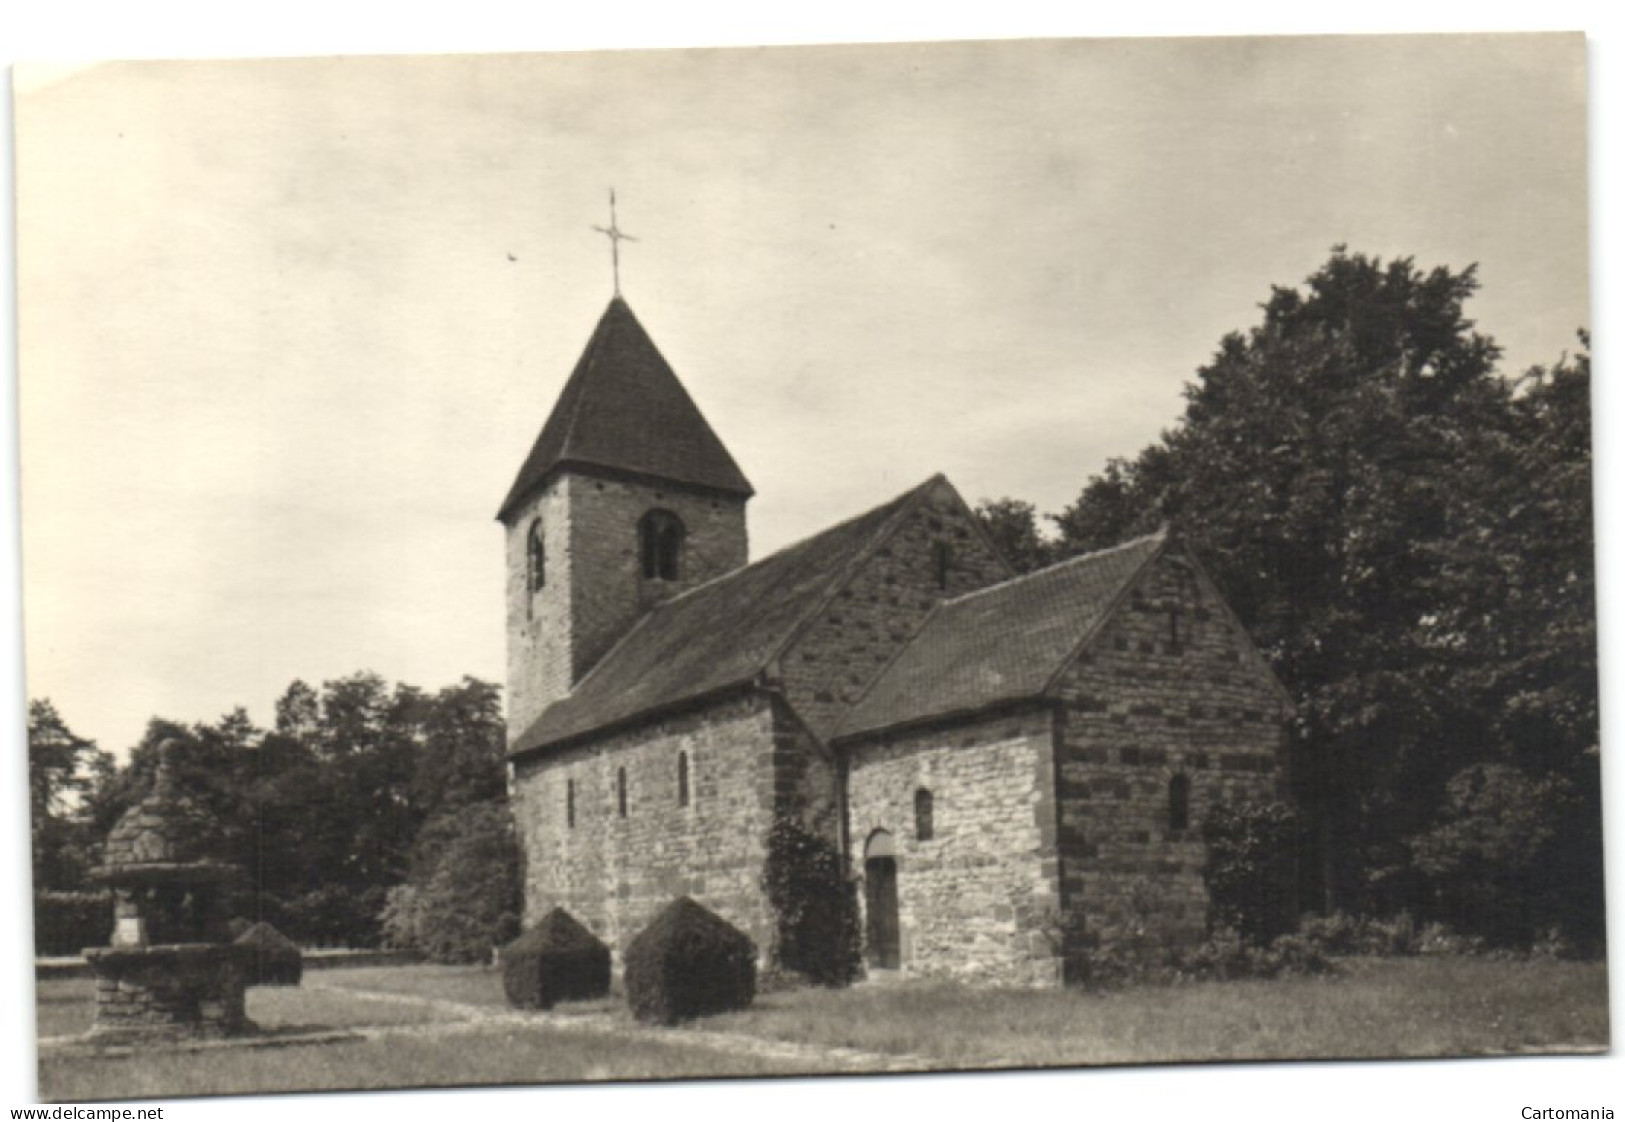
[[612, 872], [595, 589], [1168, 688], [882, 606], [539, 624], [980, 900]]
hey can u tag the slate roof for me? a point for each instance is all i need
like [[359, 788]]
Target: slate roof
[[624, 410], [718, 636], [1000, 644]]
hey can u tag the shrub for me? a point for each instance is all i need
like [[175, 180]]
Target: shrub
[[249, 907], [687, 963], [1337, 933], [68, 922], [1436, 938], [335, 915], [275, 959], [1395, 935], [1222, 956], [557, 960], [465, 886], [1287, 955], [817, 936], [1251, 869], [400, 924], [1511, 855]]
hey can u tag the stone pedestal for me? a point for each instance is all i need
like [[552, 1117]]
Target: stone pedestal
[[172, 970], [162, 992]]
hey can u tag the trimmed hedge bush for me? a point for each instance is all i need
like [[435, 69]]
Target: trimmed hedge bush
[[557, 960], [68, 922], [687, 963], [276, 960]]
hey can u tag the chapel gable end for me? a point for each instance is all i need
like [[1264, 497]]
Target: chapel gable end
[[934, 550], [1172, 623]]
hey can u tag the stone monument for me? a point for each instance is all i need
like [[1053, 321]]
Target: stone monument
[[172, 970]]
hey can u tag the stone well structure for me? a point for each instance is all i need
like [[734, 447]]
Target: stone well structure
[[172, 969]]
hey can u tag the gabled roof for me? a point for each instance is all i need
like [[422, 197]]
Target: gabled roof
[[1000, 644], [623, 410], [720, 635]]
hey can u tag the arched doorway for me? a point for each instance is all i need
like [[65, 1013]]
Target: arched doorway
[[882, 942]]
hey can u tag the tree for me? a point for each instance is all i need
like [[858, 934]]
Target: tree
[[1013, 526], [1494, 863], [61, 766], [1339, 468], [464, 757], [465, 884]]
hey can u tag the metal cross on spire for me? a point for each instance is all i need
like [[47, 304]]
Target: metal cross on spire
[[613, 233]]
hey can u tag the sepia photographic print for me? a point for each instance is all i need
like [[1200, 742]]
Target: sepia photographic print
[[847, 560]]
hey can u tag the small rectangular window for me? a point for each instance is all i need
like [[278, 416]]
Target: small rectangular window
[[925, 827]]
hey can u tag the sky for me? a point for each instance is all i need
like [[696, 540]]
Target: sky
[[277, 371], [288, 327]]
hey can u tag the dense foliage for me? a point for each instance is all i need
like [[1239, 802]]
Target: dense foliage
[[689, 962], [465, 883], [65, 923], [1406, 533], [817, 936], [357, 788], [557, 960], [1251, 872]]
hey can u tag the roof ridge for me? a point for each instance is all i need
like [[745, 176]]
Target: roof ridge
[[585, 367], [783, 549], [791, 587], [639, 624], [1094, 555], [1109, 610]]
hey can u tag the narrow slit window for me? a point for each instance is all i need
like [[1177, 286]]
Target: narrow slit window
[[682, 779], [942, 556], [570, 803], [620, 792], [925, 827], [1179, 803]]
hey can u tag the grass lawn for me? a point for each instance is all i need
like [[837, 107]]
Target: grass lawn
[[498, 1056], [67, 1007], [1373, 1008]]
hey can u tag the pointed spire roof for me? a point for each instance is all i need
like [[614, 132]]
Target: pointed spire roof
[[623, 410]]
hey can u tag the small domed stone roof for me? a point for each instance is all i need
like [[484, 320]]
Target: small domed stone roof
[[167, 830]]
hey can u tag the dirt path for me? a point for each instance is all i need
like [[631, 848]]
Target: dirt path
[[480, 1018]]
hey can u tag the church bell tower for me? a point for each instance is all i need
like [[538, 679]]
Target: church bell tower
[[627, 498]]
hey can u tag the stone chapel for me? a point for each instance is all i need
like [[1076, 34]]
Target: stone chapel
[[1009, 765]]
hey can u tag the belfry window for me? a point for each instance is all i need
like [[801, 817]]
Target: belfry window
[[1179, 803], [535, 557], [660, 543], [925, 827]]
